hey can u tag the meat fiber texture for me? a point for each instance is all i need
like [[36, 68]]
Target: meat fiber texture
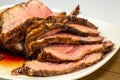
[[12, 19]]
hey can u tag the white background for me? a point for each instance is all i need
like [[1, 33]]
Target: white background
[[105, 10]]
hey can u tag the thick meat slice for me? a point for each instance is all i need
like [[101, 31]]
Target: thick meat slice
[[61, 38], [64, 53], [35, 68]]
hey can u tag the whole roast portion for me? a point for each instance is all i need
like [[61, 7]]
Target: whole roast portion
[[55, 43]]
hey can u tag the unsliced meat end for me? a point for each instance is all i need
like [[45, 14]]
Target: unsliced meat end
[[35, 68], [22, 12], [12, 20]]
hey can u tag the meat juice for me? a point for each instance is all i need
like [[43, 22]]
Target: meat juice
[[10, 62]]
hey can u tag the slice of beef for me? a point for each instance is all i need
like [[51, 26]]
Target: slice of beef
[[36, 68], [83, 30], [64, 53], [12, 18], [64, 38], [73, 28]]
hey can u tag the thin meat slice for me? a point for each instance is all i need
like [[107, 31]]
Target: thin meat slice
[[84, 30], [36, 68], [64, 53], [61, 38]]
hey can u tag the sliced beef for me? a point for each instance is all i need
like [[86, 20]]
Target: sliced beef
[[35, 68], [72, 28], [83, 30], [11, 19], [64, 38], [64, 53]]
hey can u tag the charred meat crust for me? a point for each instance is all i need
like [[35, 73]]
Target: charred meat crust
[[75, 11], [18, 33], [66, 19]]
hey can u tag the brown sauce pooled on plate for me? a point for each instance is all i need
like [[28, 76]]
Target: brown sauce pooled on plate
[[9, 62]]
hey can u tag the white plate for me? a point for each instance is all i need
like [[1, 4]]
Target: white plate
[[109, 31]]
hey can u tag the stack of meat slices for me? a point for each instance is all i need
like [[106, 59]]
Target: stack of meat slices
[[62, 44]]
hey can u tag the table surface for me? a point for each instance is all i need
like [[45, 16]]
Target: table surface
[[110, 71]]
